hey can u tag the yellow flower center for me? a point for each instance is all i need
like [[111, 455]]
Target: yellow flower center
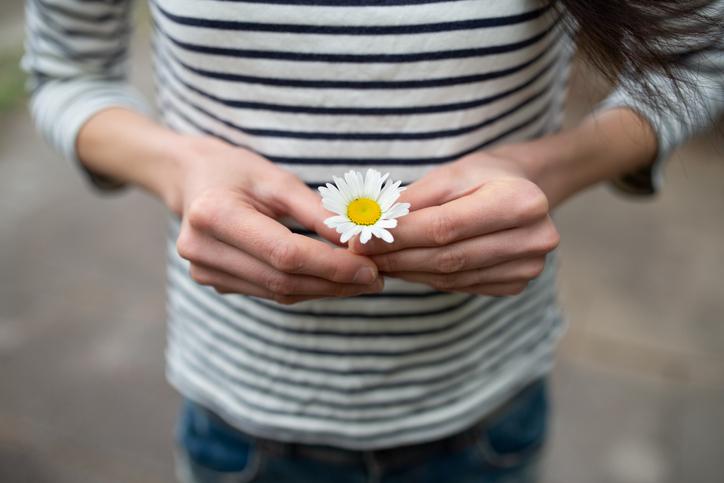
[[364, 211]]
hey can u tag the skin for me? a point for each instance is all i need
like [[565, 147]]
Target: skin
[[482, 224], [479, 225]]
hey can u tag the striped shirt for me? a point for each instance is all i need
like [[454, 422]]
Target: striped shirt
[[319, 87]]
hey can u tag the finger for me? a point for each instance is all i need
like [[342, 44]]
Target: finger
[[219, 257], [239, 225], [435, 188], [497, 205], [205, 276], [278, 285], [514, 271], [305, 206], [480, 252]]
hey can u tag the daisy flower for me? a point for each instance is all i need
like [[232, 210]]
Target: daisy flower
[[363, 206]]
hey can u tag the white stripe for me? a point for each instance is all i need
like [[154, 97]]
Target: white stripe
[[262, 119], [516, 371], [363, 15], [319, 399], [263, 373], [358, 72], [344, 44]]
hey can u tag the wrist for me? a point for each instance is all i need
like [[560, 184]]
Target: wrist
[[182, 157], [602, 147]]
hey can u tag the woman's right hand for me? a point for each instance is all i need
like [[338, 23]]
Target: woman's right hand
[[229, 200]]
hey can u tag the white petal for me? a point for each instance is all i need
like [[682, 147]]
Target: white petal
[[366, 235], [347, 235], [335, 206], [382, 233], [344, 189], [355, 183], [371, 179], [389, 195], [331, 192], [335, 221], [361, 184], [345, 227], [383, 223], [400, 209]]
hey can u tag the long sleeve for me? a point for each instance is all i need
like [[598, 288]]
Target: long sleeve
[[682, 111], [76, 57]]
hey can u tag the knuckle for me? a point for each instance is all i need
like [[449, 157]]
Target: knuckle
[[386, 263], [441, 230], [279, 284], [200, 275], [450, 261], [548, 238], [285, 256], [553, 238], [443, 283], [534, 269], [203, 212], [187, 246], [530, 202], [514, 289], [334, 271]]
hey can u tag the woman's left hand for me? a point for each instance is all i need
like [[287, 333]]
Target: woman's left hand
[[478, 225]]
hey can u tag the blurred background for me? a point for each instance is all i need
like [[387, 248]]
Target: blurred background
[[638, 388]]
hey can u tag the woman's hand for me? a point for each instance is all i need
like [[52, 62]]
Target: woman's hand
[[479, 225], [230, 200]]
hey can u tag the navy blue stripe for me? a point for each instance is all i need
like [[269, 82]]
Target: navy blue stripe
[[362, 136], [325, 367], [361, 111], [240, 326], [242, 329], [374, 30], [351, 84], [356, 315], [116, 34], [84, 16], [360, 58], [107, 57], [501, 336], [373, 161], [486, 360], [413, 161], [201, 301]]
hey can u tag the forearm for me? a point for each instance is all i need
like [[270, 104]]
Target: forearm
[[602, 147], [131, 148]]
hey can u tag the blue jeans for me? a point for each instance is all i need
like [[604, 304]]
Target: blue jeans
[[507, 450]]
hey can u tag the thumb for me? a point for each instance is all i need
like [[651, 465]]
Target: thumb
[[435, 188], [305, 206]]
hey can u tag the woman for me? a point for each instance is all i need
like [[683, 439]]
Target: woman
[[420, 360]]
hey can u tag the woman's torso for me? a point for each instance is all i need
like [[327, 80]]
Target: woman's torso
[[320, 87]]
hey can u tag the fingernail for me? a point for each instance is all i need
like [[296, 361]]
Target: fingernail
[[365, 275]]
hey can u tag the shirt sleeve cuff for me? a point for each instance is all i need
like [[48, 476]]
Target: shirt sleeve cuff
[[61, 108], [648, 180]]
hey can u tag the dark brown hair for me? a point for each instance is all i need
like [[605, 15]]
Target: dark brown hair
[[638, 36]]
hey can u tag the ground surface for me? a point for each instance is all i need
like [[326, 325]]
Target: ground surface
[[638, 389]]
